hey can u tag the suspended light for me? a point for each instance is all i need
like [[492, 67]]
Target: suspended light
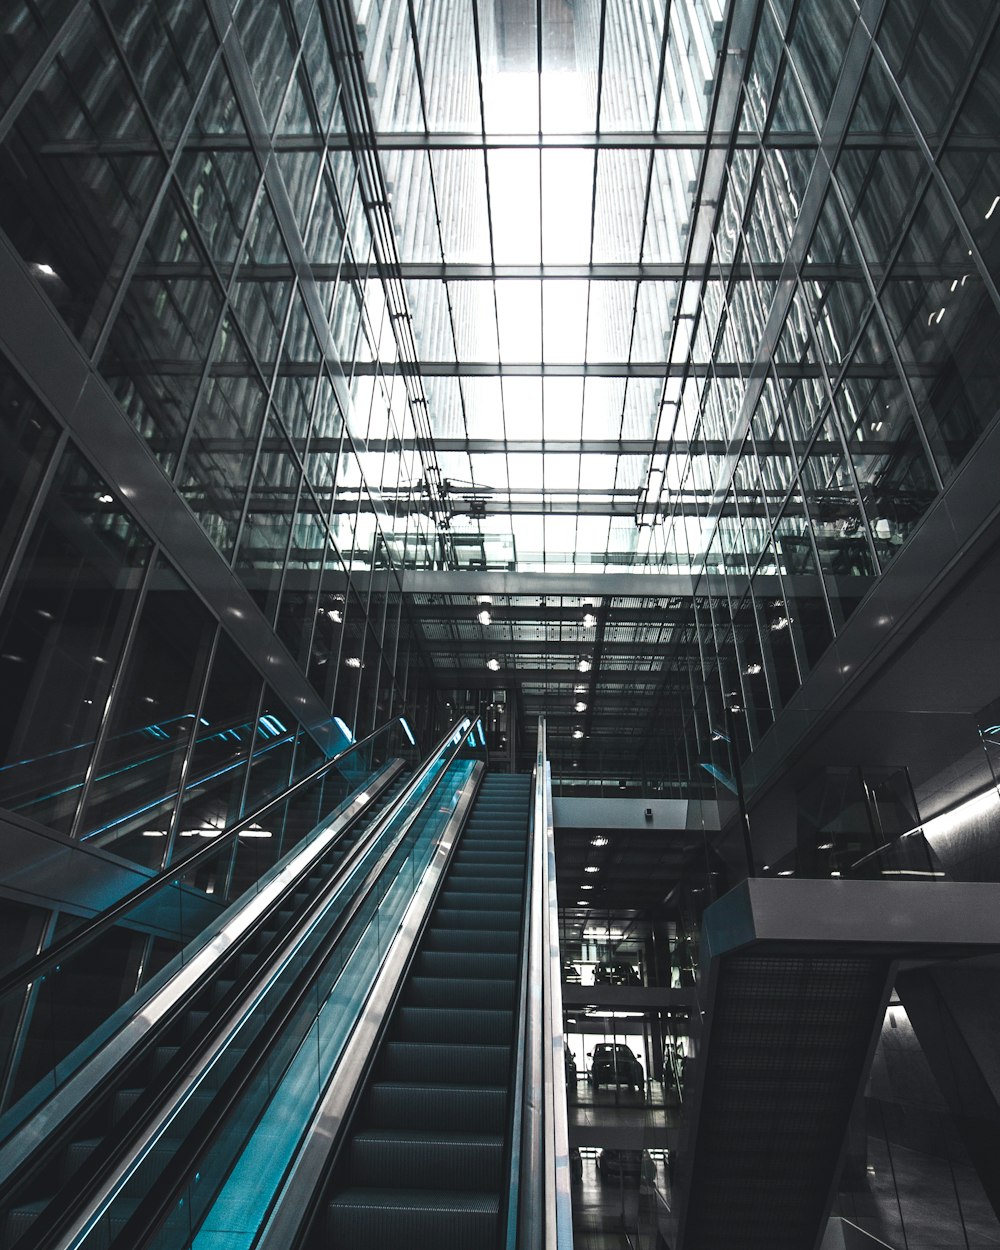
[[353, 661], [493, 664], [484, 617], [579, 706], [583, 666], [577, 733]]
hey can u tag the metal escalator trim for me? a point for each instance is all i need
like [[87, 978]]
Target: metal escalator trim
[[75, 1225], [539, 1210], [163, 999], [303, 1186], [41, 963]]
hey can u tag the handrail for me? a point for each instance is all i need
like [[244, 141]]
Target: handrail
[[39, 964], [543, 1212]]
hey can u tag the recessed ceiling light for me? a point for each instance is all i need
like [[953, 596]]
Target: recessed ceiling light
[[493, 664], [598, 841], [583, 666], [353, 661], [577, 733], [484, 617], [591, 868], [586, 887], [579, 706]]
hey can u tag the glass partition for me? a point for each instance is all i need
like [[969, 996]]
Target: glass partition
[[66, 1010]]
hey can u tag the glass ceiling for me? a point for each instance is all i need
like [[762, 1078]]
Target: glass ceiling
[[542, 183]]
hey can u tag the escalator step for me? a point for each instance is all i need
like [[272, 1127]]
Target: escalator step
[[375, 1219], [488, 884], [461, 1025], [76, 1154], [462, 993], [124, 1101], [162, 1056], [220, 989], [466, 918], [485, 964], [493, 873], [436, 1108], [193, 1021], [445, 938], [468, 858], [418, 1160], [445, 1063], [463, 899]]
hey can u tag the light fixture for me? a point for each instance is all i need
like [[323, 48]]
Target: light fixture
[[484, 599], [105, 498], [483, 617], [586, 887], [989, 213], [779, 623], [579, 706], [493, 664], [589, 619], [599, 841], [578, 734], [786, 872], [591, 868], [753, 669], [583, 666], [49, 272], [825, 846], [335, 615], [353, 661]]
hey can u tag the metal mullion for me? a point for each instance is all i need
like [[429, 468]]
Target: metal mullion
[[115, 692], [42, 66], [168, 181], [182, 780], [36, 507], [227, 310]]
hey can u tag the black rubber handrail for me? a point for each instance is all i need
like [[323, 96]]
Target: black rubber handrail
[[41, 963]]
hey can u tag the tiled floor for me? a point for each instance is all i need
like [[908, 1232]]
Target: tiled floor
[[610, 1216]]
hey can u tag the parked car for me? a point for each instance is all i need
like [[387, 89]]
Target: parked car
[[616, 974], [614, 1064], [628, 1167]]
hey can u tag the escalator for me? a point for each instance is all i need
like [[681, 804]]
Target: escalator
[[369, 1065], [424, 1163], [130, 1090], [66, 1127]]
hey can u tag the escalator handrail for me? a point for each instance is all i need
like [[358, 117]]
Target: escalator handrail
[[68, 946], [540, 1206], [161, 1198]]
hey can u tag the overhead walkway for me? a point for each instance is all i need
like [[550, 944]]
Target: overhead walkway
[[354, 1053], [796, 976]]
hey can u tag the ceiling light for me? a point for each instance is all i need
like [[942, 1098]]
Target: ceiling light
[[591, 868], [787, 872], [49, 272], [779, 623], [598, 841], [992, 209], [352, 661], [484, 617], [335, 615], [484, 599], [583, 666], [579, 706], [586, 887], [493, 664], [105, 498], [589, 620], [825, 846], [753, 669], [578, 733]]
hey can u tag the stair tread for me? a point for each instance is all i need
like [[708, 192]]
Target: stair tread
[[418, 1199]]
